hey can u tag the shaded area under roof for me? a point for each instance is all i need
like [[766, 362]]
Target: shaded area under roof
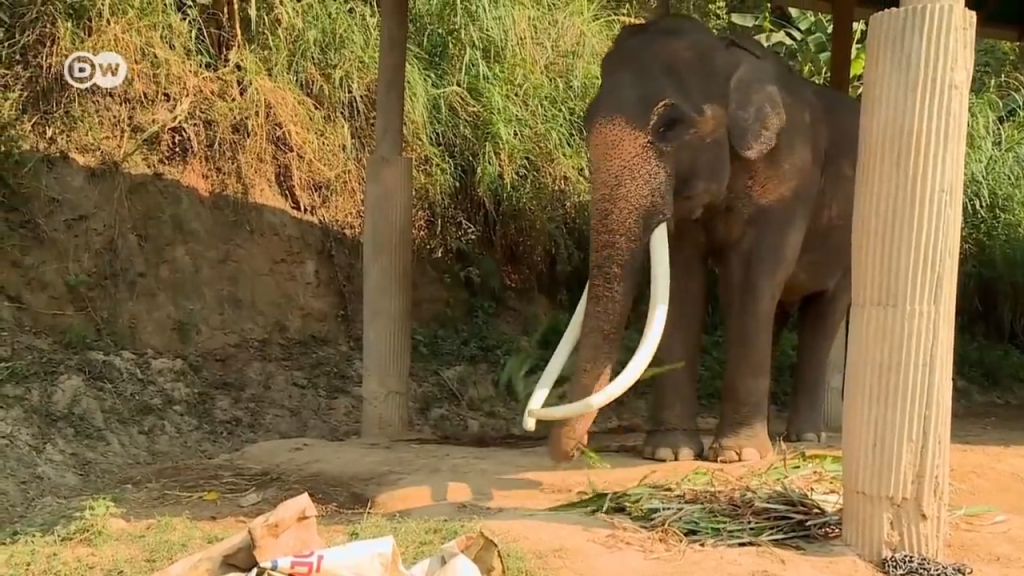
[[997, 19]]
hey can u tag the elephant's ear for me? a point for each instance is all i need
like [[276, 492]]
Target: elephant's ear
[[756, 113]]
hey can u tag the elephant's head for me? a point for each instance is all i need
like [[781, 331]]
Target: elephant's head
[[676, 102]]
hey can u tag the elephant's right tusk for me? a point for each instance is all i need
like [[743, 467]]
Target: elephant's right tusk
[[657, 313], [557, 362]]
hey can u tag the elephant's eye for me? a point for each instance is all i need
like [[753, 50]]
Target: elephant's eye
[[666, 123], [670, 125]]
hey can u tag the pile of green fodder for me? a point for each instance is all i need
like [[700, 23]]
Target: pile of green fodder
[[793, 499], [797, 498]]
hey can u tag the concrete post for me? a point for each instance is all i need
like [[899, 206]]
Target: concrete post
[[387, 242], [906, 239], [387, 296]]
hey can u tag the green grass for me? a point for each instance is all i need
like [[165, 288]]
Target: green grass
[[495, 95], [992, 267], [97, 541]]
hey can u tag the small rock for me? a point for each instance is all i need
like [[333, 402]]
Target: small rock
[[250, 499]]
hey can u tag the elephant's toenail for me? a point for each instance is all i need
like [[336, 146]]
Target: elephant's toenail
[[664, 454], [749, 455]]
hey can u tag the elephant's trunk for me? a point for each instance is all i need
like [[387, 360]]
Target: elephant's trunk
[[611, 289], [610, 294], [628, 192]]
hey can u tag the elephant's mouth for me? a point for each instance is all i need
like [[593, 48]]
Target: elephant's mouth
[[654, 328]]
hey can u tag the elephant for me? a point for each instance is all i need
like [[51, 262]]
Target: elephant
[[714, 153]]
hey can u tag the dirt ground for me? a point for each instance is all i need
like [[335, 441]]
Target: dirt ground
[[509, 488], [145, 317]]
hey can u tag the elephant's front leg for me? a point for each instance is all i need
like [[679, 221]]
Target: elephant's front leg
[[673, 433], [749, 294]]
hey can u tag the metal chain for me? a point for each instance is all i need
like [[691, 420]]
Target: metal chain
[[906, 564]]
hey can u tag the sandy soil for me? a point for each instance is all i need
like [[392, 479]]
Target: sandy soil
[[508, 487]]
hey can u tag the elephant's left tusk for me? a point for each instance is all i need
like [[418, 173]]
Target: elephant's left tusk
[[657, 312], [557, 362]]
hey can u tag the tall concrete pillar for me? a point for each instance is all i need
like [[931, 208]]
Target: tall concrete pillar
[[906, 240], [387, 242]]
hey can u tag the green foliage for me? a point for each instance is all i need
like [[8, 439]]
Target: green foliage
[[806, 41], [465, 340], [794, 499], [995, 61], [989, 365], [992, 262]]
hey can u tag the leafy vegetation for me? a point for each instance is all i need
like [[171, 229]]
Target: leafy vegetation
[[805, 39]]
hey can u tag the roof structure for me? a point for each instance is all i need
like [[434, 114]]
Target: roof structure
[[997, 19]]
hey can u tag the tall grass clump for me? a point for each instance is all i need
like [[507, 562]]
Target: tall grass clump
[[992, 257], [495, 96]]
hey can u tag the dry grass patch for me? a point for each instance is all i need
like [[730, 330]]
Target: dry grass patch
[[99, 541]]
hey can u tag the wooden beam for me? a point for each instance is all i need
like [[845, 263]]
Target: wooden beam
[[988, 31], [842, 44], [662, 8], [387, 242], [394, 33], [839, 78]]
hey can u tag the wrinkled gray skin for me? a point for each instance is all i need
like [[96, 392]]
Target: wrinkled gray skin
[[753, 168]]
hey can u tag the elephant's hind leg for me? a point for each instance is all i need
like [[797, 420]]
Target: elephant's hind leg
[[818, 320], [672, 433]]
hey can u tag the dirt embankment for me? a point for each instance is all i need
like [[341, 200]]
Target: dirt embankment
[[242, 318], [166, 263], [219, 299]]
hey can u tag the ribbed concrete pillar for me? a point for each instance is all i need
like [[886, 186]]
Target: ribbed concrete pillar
[[387, 296], [906, 239], [387, 242]]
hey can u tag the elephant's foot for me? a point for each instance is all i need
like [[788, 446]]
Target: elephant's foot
[[800, 429], [748, 444], [669, 445], [808, 437]]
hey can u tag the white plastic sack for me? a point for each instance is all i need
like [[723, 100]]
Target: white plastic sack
[[377, 557]]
